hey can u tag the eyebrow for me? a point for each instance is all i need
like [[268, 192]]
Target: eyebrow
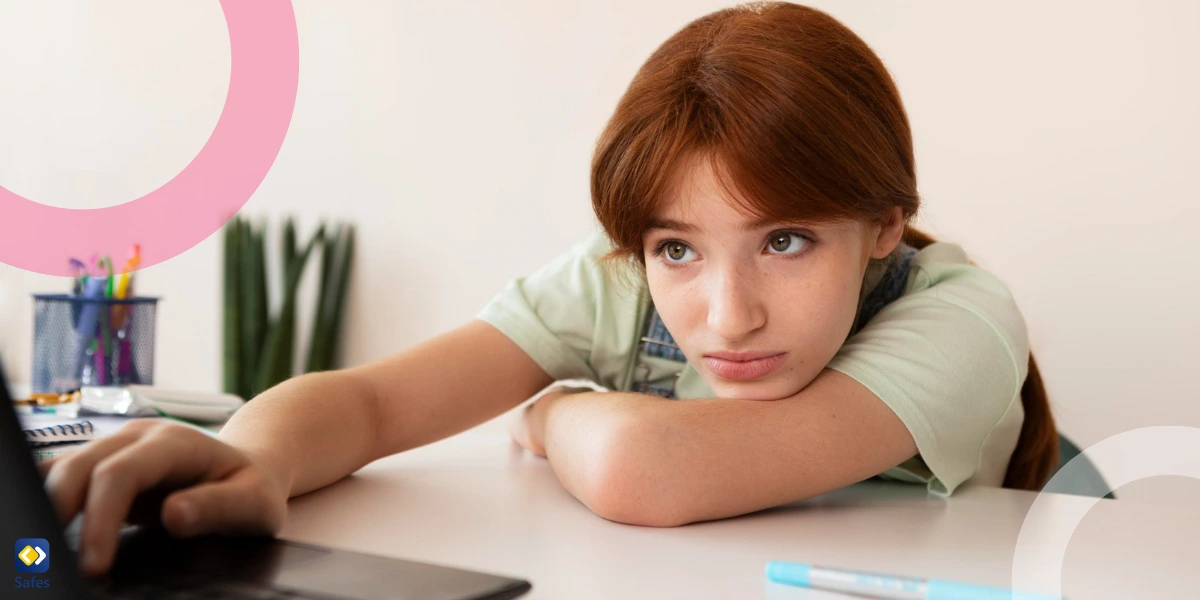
[[680, 226]]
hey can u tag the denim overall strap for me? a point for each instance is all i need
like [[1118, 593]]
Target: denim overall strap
[[659, 341], [890, 287], [656, 341]]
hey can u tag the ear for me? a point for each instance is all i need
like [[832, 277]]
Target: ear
[[890, 232]]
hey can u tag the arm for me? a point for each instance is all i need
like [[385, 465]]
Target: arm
[[298, 436], [644, 460], [320, 427]]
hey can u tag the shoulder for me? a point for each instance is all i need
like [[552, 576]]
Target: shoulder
[[576, 315], [948, 356], [582, 264], [944, 273]]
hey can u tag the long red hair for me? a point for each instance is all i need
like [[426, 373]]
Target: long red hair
[[801, 121]]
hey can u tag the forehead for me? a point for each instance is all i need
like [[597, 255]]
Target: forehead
[[701, 199], [698, 193]]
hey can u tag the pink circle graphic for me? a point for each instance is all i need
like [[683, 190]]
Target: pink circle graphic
[[264, 69]]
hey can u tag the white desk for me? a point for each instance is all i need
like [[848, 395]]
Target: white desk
[[478, 502]]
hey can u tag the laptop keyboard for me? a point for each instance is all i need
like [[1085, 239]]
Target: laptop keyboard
[[224, 590]]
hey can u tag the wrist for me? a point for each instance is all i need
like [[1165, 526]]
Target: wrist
[[273, 462]]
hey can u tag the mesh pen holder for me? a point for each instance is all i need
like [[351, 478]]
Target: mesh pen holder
[[81, 341]]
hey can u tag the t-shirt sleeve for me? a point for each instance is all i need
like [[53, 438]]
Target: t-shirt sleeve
[[949, 359], [552, 313]]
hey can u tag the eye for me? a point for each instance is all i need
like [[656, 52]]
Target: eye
[[674, 252], [787, 242]]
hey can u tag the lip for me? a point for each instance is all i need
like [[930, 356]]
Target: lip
[[742, 366]]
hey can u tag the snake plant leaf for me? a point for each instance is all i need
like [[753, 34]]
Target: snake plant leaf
[[277, 363], [328, 323], [317, 341], [254, 306], [231, 338], [258, 348]]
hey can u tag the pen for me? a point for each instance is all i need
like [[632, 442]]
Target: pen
[[889, 587], [79, 275], [102, 335], [106, 264], [104, 343], [121, 314], [125, 279], [85, 326]]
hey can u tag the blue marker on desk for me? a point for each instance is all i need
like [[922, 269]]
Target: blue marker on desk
[[889, 587]]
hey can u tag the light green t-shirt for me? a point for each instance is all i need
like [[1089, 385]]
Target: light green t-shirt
[[948, 357]]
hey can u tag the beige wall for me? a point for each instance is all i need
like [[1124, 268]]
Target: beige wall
[[1057, 141]]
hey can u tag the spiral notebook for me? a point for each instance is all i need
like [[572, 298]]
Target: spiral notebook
[[80, 431]]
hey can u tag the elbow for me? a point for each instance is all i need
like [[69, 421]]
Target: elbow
[[620, 509], [627, 480]]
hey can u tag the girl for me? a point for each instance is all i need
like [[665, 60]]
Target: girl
[[770, 324]]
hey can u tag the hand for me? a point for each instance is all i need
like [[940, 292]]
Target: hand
[[528, 426], [156, 471]]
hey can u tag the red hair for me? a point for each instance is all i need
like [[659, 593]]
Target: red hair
[[801, 122]]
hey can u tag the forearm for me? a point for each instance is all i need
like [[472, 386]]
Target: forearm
[[310, 430], [644, 460], [317, 428]]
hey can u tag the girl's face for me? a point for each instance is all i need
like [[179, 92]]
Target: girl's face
[[758, 308]]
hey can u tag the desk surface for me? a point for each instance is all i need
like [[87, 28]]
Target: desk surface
[[479, 502]]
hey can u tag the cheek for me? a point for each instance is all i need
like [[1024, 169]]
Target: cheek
[[810, 314], [814, 322], [681, 305], [817, 316]]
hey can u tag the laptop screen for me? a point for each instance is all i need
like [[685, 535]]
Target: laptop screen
[[42, 566]]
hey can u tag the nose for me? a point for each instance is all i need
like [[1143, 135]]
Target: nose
[[734, 308]]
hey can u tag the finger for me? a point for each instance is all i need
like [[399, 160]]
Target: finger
[[68, 475], [241, 504], [171, 455]]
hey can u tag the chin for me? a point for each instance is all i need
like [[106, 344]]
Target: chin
[[762, 391]]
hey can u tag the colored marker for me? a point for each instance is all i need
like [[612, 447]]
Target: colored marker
[[889, 587], [79, 271]]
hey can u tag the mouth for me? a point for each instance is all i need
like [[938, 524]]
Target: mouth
[[743, 366]]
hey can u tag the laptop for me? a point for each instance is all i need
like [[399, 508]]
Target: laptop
[[151, 564]]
